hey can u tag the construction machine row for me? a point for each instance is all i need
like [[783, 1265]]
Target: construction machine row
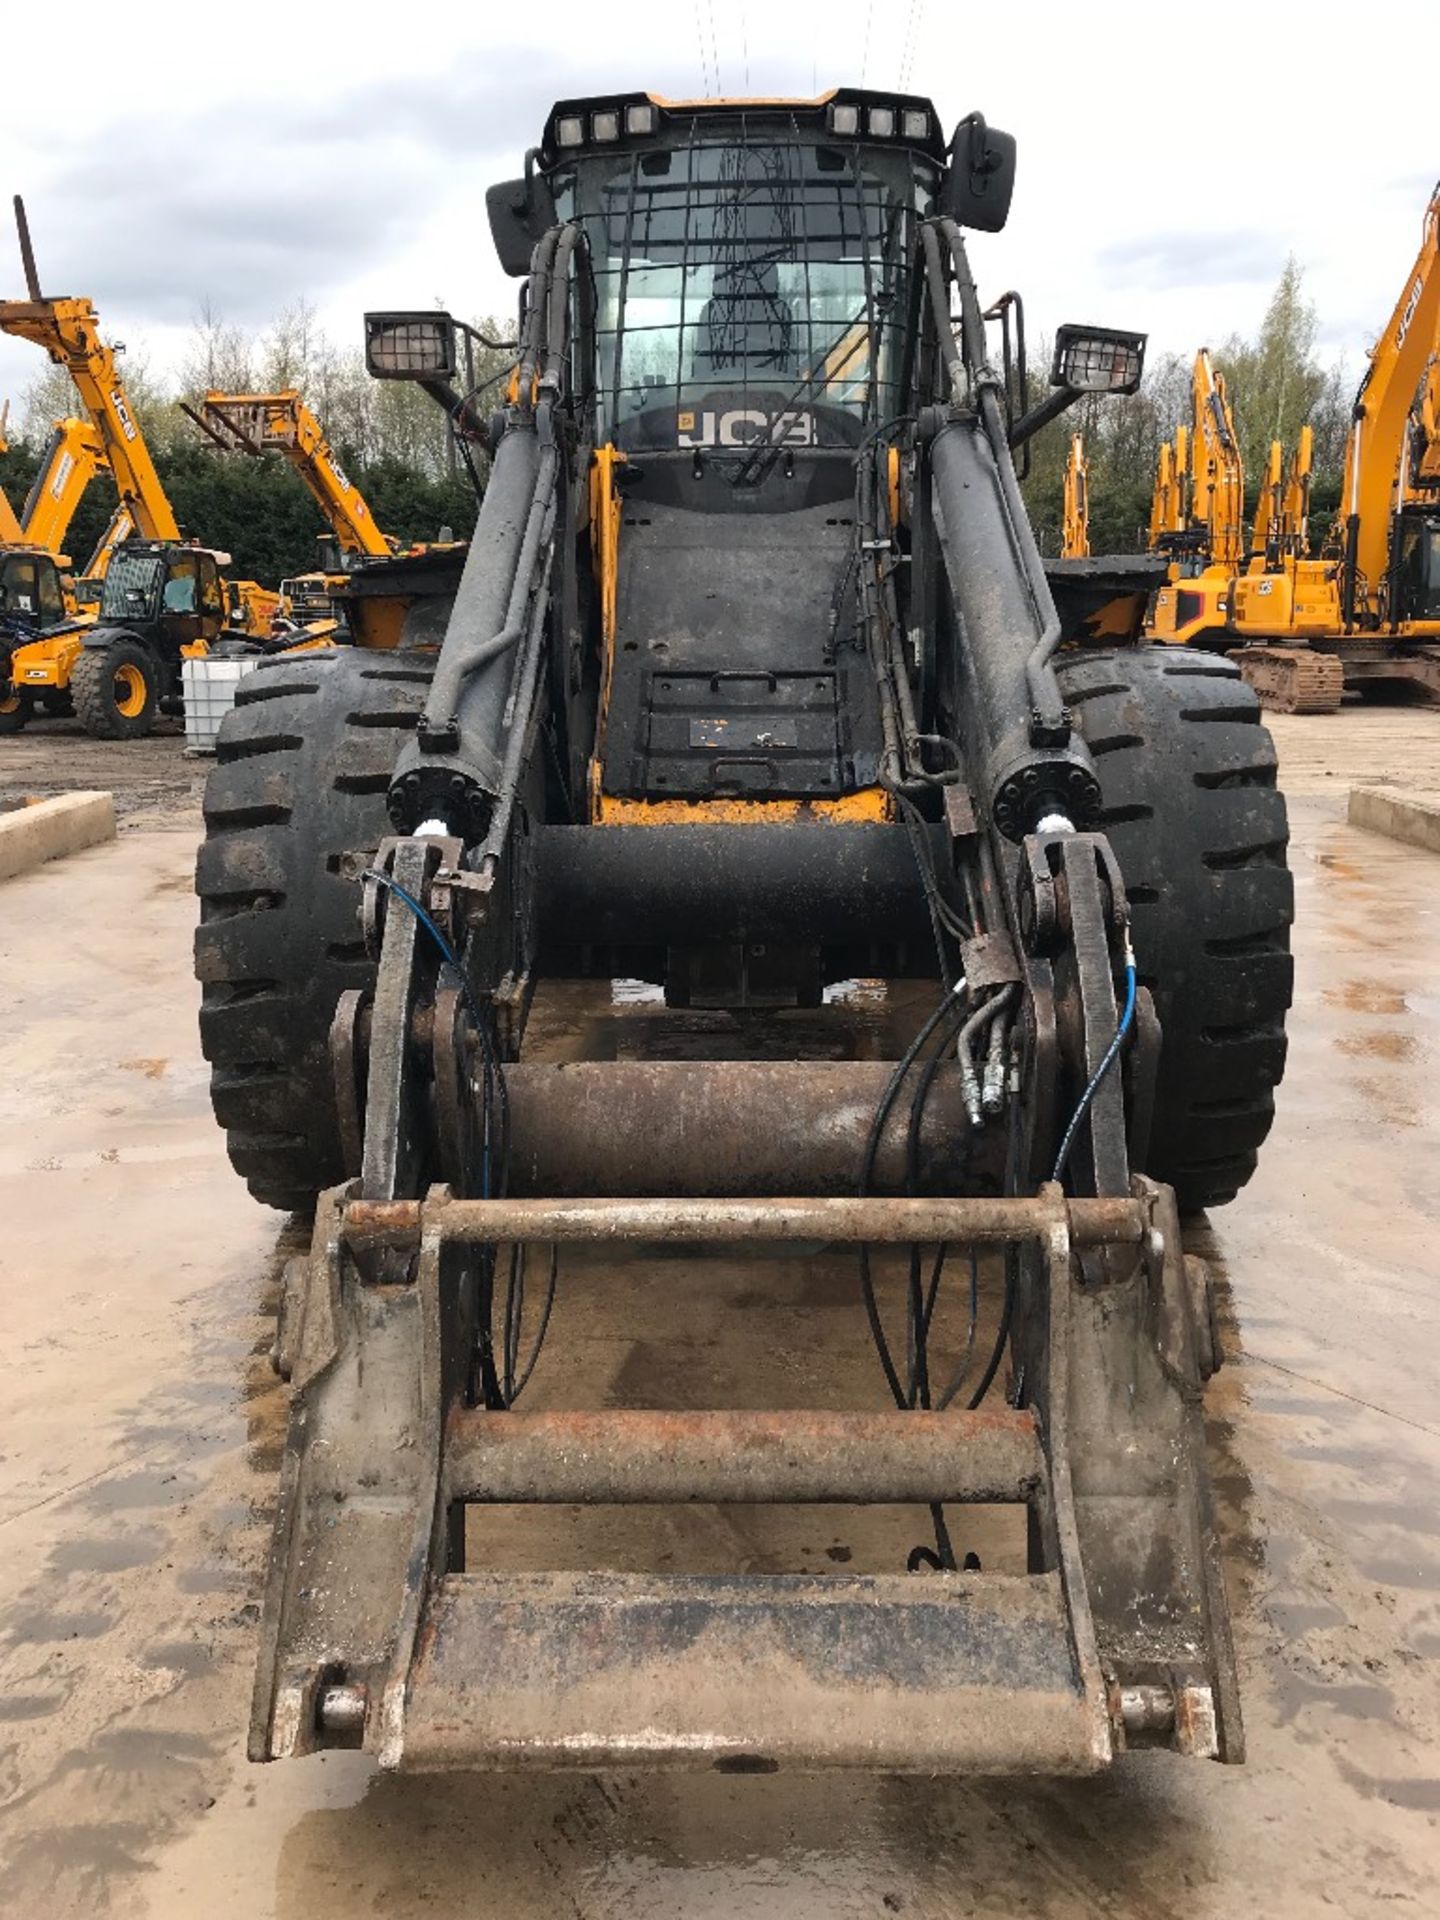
[[1304, 628]]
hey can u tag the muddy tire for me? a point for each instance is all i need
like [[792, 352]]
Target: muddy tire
[[303, 763], [1191, 806], [116, 690]]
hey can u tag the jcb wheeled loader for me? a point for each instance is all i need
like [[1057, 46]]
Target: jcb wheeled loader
[[750, 686]]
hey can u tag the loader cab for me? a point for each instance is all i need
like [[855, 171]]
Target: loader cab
[[171, 592], [752, 269], [32, 595]]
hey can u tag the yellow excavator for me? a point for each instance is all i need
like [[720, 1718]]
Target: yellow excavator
[[1368, 610], [1197, 516], [1075, 529], [161, 594]]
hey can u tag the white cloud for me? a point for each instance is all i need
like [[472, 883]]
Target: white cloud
[[247, 157]]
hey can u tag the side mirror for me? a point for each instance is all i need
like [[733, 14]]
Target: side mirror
[[981, 178], [1097, 360], [410, 346], [520, 212]]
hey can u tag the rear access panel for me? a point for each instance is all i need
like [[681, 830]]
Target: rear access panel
[[740, 732]]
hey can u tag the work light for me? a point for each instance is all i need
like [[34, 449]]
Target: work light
[[1097, 360], [410, 346], [605, 126], [570, 130]]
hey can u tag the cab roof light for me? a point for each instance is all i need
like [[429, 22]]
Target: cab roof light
[[844, 118], [915, 123], [640, 118], [570, 130], [605, 126], [882, 123]]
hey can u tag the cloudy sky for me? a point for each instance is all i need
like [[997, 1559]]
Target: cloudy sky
[[244, 156]]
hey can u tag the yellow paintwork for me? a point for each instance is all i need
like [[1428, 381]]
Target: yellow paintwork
[[72, 459], [1375, 484], [121, 526], [129, 691], [1075, 531], [283, 423], [69, 331], [606, 512], [46, 665], [255, 606], [766, 100], [1216, 477], [1200, 478], [1265, 532], [1188, 612], [870, 803]]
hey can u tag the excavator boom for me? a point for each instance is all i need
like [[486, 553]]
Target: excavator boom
[[1075, 544], [1371, 493]]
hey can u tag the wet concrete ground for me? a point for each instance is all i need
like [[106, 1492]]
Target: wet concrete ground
[[140, 1428]]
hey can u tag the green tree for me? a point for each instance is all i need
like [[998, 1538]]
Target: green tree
[[1273, 381]]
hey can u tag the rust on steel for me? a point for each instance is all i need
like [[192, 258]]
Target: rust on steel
[[623, 1456], [964, 1222], [727, 1128]]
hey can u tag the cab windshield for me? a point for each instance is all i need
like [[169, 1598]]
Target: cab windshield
[[131, 586], [751, 291]]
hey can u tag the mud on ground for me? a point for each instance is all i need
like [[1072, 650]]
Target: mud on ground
[[156, 784]]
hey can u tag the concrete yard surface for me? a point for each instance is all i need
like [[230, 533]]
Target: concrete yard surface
[[142, 1429]]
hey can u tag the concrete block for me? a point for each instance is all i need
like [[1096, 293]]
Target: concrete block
[[1411, 817], [49, 829]]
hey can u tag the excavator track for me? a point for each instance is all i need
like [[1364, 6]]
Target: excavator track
[[1293, 679]]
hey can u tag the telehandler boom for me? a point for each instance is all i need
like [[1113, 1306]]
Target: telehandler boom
[[751, 685], [160, 595]]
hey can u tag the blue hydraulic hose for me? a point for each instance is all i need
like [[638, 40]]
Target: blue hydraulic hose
[[1111, 1055]]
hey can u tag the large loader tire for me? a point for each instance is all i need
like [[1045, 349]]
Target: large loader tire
[[116, 690], [303, 763], [1190, 803]]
